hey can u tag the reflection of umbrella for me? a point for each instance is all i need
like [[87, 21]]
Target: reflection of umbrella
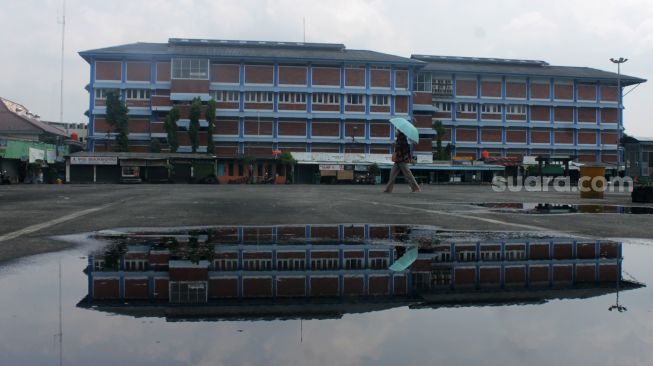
[[406, 127], [405, 261]]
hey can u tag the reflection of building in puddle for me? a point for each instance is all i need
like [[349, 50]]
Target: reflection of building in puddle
[[321, 270]]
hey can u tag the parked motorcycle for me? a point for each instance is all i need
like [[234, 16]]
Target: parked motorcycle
[[4, 177]]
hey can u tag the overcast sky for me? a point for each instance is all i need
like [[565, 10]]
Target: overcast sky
[[561, 32]]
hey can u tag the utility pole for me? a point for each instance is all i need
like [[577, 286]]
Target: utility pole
[[620, 121], [63, 38]]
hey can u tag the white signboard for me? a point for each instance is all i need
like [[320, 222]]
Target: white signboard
[[529, 160], [36, 155], [331, 167], [424, 158], [94, 160], [51, 156], [338, 158]]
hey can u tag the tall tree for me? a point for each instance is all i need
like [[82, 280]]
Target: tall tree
[[171, 128], [194, 128], [210, 118], [155, 146], [439, 133], [116, 117]]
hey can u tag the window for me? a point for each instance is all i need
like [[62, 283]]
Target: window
[[257, 264], [355, 99], [102, 93], [490, 255], [466, 256], [137, 94], [380, 100], [188, 292], [290, 264], [353, 263], [466, 107], [325, 264], [491, 108], [443, 107], [515, 255], [326, 98], [226, 264], [135, 265], [190, 68], [98, 264], [294, 98], [423, 82], [515, 109], [379, 263], [442, 257], [258, 97], [441, 87], [226, 96]]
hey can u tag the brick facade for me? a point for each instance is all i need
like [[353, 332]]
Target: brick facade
[[224, 73], [292, 75], [326, 76], [259, 74]]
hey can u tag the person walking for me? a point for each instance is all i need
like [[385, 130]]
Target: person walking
[[401, 159]]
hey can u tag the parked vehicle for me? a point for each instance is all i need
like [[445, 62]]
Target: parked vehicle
[[4, 177]]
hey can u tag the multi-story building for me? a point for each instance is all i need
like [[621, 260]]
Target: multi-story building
[[303, 97], [345, 262], [325, 98], [522, 107], [268, 271]]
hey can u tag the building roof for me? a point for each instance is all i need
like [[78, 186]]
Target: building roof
[[16, 119], [479, 65], [236, 50]]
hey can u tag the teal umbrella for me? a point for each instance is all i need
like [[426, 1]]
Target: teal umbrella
[[406, 127], [405, 261]]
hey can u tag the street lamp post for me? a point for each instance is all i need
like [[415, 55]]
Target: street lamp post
[[619, 61]]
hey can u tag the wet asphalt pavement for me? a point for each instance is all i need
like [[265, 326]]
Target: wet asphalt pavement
[[30, 215]]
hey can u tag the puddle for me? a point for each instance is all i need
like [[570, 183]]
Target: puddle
[[561, 208], [326, 294]]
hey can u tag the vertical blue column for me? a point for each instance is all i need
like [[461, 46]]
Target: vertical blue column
[[150, 286], [309, 129], [241, 101], [478, 86], [366, 257], [275, 74], [275, 128], [90, 142], [121, 285]]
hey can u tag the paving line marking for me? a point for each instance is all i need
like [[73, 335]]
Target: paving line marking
[[43, 225], [491, 221]]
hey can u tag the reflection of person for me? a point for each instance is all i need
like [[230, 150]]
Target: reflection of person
[[402, 158]]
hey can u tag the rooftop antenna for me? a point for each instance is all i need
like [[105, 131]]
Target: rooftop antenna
[[304, 21], [63, 38]]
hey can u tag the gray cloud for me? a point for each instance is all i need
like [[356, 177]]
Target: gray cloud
[[580, 33]]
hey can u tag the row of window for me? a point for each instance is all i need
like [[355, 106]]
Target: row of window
[[131, 94], [485, 108], [298, 264], [470, 256], [263, 97]]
